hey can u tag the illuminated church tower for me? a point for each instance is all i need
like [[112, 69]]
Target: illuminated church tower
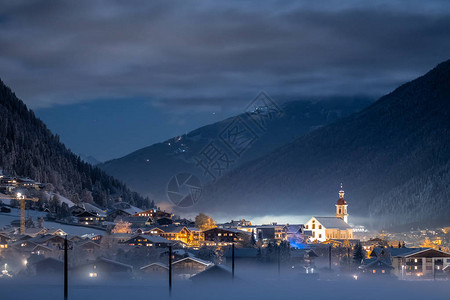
[[341, 207]]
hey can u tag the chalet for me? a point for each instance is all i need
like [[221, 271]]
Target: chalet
[[4, 241], [94, 209], [53, 231], [213, 273], [222, 236], [33, 232], [189, 266], [164, 221], [422, 262], [48, 267], [103, 268], [236, 224], [42, 250], [75, 238], [76, 210], [374, 243], [120, 237], [155, 270], [155, 214], [303, 257], [184, 222], [148, 241], [52, 241], [92, 236], [88, 246], [123, 209], [90, 218], [376, 267], [5, 209], [135, 221], [173, 233], [197, 237], [243, 255]]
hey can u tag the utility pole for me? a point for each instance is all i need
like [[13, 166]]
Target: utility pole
[[232, 261], [66, 282], [170, 270], [329, 257], [278, 259]]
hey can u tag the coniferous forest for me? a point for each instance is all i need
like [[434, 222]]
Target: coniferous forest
[[29, 149]]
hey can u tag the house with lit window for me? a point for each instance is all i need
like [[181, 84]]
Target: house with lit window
[[271, 233], [155, 214], [4, 241], [90, 218], [376, 267], [148, 241], [197, 237], [420, 262], [172, 233], [223, 236], [189, 266], [102, 268], [328, 228], [415, 262]]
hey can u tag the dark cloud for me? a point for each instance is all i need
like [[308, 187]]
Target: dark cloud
[[216, 54]]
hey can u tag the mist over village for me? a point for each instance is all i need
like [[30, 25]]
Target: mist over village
[[225, 150]]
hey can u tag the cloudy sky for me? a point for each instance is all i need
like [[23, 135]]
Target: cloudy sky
[[111, 77]]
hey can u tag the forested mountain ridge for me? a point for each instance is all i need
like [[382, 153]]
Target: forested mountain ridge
[[148, 170], [28, 148], [393, 158]]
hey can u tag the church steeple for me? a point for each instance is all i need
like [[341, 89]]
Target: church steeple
[[341, 206], [341, 192]]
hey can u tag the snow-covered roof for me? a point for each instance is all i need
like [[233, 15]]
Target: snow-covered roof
[[169, 228], [153, 238], [333, 222], [376, 262], [154, 264], [114, 262], [94, 209], [198, 260], [293, 228]]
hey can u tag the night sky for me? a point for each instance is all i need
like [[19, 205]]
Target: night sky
[[113, 76]]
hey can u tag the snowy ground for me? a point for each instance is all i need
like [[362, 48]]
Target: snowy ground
[[264, 288], [7, 218]]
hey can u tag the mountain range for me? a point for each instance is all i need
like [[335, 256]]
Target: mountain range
[[393, 158], [149, 170]]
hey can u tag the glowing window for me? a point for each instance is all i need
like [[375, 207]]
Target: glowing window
[[374, 271], [382, 271], [415, 268]]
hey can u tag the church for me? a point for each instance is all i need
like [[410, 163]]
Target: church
[[325, 228]]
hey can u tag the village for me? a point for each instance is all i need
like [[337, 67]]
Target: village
[[128, 242]]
